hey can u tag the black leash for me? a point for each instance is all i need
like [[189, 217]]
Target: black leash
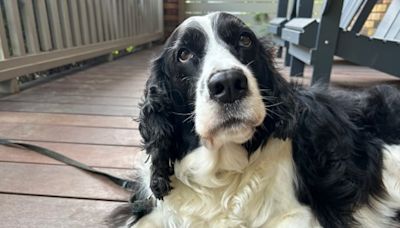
[[126, 184]]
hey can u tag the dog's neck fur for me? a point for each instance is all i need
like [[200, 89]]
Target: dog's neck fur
[[239, 192]]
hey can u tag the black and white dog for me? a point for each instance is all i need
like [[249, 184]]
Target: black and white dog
[[232, 144]]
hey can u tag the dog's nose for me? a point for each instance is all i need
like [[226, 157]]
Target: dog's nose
[[227, 86]]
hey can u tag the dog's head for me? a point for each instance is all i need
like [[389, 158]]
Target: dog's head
[[214, 81]]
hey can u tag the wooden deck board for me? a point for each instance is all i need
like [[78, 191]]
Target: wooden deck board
[[48, 212], [70, 134], [121, 157], [88, 116], [59, 180], [87, 100], [72, 91], [86, 109], [68, 120]]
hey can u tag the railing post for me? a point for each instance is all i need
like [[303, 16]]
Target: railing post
[[9, 86], [14, 27], [43, 25], [4, 51]]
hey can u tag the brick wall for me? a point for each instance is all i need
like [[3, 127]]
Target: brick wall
[[171, 16], [375, 17]]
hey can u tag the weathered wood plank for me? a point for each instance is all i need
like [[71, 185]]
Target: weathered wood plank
[[14, 28], [59, 180], [126, 21], [99, 20], [120, 13], [106, 19], [139, 15], [135, 17], [68, 108], [83, 20], [145, 12], [92, 155], [55, 24], [136, 79], [87, 100], [69, 120], [14, 67], [129, 17], [70, 90], [66, 28], [70, 134], [105, 86], [134, 70], [43, 25], [132, 86], [76, 30], [114, 20], [84, 92], [4, 51], [92, 21], [28, 20], [48, 212]]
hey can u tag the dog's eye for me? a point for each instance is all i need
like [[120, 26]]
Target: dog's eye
[[184, 55], [245, 41]]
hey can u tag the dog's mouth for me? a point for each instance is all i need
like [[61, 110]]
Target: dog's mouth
[[232, 125], [234, 129]]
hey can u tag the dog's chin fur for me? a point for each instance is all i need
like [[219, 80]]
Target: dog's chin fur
[[238, 133], [282, 156]]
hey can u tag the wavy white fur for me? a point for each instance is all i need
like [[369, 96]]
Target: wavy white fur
[[225, 188]]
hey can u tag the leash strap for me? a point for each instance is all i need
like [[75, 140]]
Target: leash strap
[[126, 184]]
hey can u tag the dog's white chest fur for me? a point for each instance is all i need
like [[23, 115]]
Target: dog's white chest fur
[[226, 189]]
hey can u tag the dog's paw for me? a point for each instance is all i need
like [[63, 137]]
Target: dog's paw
[[160, 186]]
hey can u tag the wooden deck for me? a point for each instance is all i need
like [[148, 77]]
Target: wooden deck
[[87, 116]]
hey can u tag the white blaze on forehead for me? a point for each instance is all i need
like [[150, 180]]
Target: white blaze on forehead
[[217, 55]]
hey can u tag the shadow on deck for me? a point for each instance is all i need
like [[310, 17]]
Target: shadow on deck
[[87, 116]]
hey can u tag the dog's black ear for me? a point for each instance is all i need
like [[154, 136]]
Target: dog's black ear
[[156, 127], [155, 123]]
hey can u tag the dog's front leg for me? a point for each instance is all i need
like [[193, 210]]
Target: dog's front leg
[[160, 173]]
